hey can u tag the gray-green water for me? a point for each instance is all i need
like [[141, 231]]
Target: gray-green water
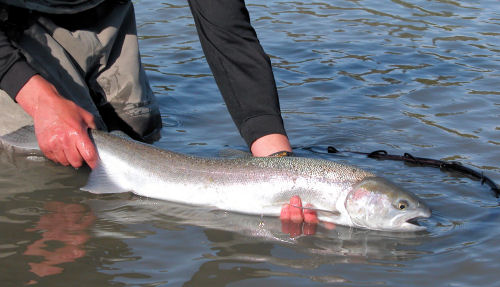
[[418, 76]]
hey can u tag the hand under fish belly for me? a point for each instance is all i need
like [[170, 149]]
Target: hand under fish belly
[[296, 220]]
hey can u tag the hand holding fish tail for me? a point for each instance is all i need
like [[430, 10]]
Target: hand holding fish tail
[[60, 125], [296, 220]]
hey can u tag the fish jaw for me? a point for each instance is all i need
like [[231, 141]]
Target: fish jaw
[[378, 204], [408, 221]]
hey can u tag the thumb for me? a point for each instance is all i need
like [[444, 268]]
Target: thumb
[[88, 118]]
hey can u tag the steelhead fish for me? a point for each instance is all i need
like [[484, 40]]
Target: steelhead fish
[[342, 194]]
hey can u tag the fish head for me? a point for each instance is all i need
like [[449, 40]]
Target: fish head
[[376, 203]]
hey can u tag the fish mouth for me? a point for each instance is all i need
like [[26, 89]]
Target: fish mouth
[[410, 222]]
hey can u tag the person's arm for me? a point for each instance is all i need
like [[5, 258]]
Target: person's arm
[[245, 78], [14, 71], [60, 125], [242, 72]]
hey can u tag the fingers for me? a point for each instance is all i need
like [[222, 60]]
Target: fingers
[[295, 220], [287, 225], [292, 228], [310, 215], [84, 147], [61, 151], [61, 157], [87, 150], [309, 228], [68, 147], [52, 149], [285, 212], [296, 214], [72, 155], [52, 155], [88, 118], [79, 148]]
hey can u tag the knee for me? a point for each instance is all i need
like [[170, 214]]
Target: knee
[[140, 122]]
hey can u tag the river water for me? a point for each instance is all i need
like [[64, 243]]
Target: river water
[[421, 77]]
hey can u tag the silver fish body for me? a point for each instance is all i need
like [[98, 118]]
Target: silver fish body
[[253, 185], [342, 194]]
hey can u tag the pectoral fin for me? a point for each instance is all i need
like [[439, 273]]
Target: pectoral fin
[[100, 182]]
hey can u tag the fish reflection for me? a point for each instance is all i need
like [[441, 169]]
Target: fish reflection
[[64, 230], [243, 246], [349, 243]]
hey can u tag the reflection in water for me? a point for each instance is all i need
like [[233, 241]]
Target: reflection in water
[[327, 240], [296, 229], [244, 246], [64, 231]]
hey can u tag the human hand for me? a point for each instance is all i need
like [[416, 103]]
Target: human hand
[[295, 220], [60, 125]]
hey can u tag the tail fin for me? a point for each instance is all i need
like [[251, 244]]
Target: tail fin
[[22, 141]]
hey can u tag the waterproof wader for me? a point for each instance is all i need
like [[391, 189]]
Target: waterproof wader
[[92, 58]]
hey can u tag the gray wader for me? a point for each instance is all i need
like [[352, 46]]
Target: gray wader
[[92, 58]]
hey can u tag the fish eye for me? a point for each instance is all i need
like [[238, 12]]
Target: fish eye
[[402, 204]]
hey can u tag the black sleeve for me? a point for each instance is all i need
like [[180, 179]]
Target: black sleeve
[[14, 70], [240, 66]]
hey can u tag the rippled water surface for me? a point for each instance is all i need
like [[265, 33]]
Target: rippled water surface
[[418, 76]]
